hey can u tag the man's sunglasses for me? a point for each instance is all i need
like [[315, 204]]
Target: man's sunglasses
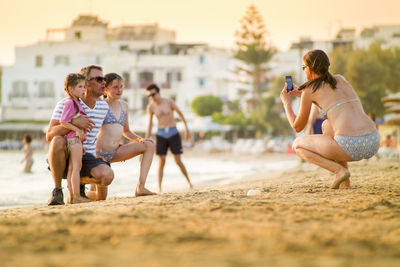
[[98, 79], [152, 94]]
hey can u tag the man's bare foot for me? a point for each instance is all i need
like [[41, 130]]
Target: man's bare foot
[[79, 199], [340, 177], [69, 198], [345, 184], [143, 192], [191, 186]]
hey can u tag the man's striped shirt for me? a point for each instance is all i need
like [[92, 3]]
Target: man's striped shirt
[[97, 115]]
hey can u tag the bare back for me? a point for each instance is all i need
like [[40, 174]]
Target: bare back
[[164, 112], [347, 119]]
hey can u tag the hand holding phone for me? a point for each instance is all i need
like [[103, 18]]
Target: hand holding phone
[[289, 83]]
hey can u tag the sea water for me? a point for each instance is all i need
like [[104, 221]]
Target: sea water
[[22, 189]]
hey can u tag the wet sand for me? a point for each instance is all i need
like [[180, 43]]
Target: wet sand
[[296, 221]]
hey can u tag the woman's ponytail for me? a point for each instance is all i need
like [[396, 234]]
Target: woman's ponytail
[[318, 62]]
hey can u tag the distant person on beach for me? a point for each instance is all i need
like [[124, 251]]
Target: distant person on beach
[[28, 153], [167, 134], [116, 125], [96, 110], [348, 133], [315, 121], [74, 86]]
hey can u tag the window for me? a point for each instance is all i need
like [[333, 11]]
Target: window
[[145, 102], [169, 77], [39, 61], [78, 35], [145, 78], [123, 48], [46, 89], [201, 82], [19, 89], [127, 79], [61, 61], [179, 76], [201, 59]]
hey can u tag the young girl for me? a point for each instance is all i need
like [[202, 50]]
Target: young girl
[[28, 152], [74, 85], [115, 126]]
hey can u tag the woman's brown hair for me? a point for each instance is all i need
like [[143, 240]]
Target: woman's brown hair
[[318, 62]]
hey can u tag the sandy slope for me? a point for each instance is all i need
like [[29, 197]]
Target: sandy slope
[[296, 221]]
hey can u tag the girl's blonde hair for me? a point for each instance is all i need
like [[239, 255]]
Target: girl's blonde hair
[[72, 80]]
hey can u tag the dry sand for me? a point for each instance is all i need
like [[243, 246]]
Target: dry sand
[[296, 221]]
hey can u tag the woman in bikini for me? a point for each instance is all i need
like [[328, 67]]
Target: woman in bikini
[[116, 125], [348, 133]]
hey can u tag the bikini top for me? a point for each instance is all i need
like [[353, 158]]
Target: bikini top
[[324, 113], [111, 119]]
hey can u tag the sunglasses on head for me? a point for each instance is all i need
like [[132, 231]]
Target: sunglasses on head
[[98, 79], [152, 94]]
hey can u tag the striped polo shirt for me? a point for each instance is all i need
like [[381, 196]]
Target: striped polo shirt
[[97, 115]]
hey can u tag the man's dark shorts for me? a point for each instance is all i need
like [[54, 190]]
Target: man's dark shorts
[[88, 163], [174, 143]]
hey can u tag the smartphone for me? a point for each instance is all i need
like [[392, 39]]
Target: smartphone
[[289, 83]]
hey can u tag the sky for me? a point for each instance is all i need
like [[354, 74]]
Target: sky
[[24, 22]]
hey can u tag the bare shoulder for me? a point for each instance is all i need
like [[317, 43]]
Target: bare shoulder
[[170, 102], [339, 77], [149, 107], [124, 104], [167, 100]]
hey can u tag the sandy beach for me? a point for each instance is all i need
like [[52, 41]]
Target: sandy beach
[[295, 221]]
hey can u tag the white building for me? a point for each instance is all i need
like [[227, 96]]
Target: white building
[[290, 61], [142, 54], [388, 35]]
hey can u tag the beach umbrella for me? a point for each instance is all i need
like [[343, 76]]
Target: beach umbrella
[[391, 98]]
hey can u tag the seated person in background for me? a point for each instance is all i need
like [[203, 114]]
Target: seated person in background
[[315, 121]]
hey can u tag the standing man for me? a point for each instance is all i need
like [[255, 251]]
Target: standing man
[[96, 111], [167, 133]]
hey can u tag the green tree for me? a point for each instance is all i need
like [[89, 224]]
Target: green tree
[[338, 59], [253, 51], [365, 72], [233, 116], [206, 105], [373, 73], [270, 119]]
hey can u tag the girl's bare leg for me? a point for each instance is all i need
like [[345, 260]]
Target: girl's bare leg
[[134, 149], [75, 161]]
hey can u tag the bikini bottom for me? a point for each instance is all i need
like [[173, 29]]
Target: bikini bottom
[[359, 146]]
